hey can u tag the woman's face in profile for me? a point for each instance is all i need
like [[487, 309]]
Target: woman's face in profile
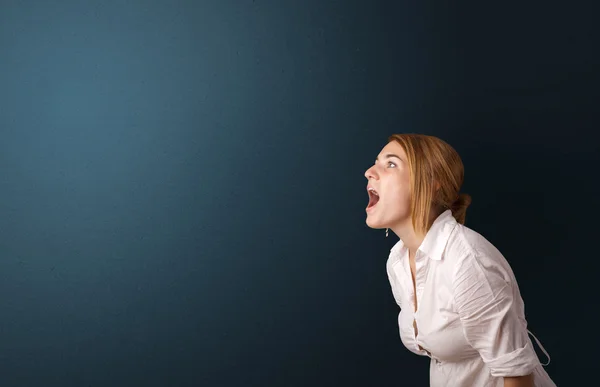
[[388, 188]]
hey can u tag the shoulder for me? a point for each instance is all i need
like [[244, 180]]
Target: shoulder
[[468, 251]]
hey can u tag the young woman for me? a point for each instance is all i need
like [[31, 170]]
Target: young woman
[[459, 300]]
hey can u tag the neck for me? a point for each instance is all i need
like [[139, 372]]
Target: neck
[[409, 237]]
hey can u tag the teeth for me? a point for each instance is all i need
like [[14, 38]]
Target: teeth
[[373, 191]]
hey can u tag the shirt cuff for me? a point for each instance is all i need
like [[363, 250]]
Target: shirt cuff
[[519, 362]]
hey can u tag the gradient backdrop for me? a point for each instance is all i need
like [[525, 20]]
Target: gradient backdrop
[[182, 192]]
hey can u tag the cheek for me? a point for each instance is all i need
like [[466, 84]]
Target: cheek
[[403, 189], [397, 191], [399, 198]]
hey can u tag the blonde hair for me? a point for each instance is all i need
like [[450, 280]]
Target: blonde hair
[[436, 176]]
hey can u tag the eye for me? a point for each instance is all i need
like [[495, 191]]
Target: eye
[[391, 164]]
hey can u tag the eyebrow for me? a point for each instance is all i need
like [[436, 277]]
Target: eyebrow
[[390, 155]]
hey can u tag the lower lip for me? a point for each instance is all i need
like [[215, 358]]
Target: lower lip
[[369, 209]]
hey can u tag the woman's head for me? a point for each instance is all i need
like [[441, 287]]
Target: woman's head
[[415, 177]]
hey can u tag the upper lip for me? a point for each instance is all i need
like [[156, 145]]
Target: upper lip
[[370, 188]]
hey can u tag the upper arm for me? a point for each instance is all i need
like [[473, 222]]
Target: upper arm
[[484, 296]]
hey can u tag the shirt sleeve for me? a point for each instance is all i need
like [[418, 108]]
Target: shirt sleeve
[[485, 302]]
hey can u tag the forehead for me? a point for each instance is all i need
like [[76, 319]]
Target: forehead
[[392, 148]]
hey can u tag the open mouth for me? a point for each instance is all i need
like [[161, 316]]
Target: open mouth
[[373, 198]]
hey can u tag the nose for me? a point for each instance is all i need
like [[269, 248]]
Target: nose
[[370, 173]]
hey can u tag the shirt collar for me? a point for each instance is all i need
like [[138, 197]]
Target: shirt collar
[[435, 240]]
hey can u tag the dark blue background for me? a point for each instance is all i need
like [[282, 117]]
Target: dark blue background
[[182, 193]]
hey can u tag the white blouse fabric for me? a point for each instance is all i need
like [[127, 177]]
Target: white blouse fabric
[[471, 317]]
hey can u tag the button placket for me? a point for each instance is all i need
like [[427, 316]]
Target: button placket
[[418, 292], [420, 275]]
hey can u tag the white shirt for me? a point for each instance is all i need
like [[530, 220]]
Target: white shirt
[[470, 318]]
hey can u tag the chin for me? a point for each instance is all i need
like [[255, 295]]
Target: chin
[[374, 224]]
